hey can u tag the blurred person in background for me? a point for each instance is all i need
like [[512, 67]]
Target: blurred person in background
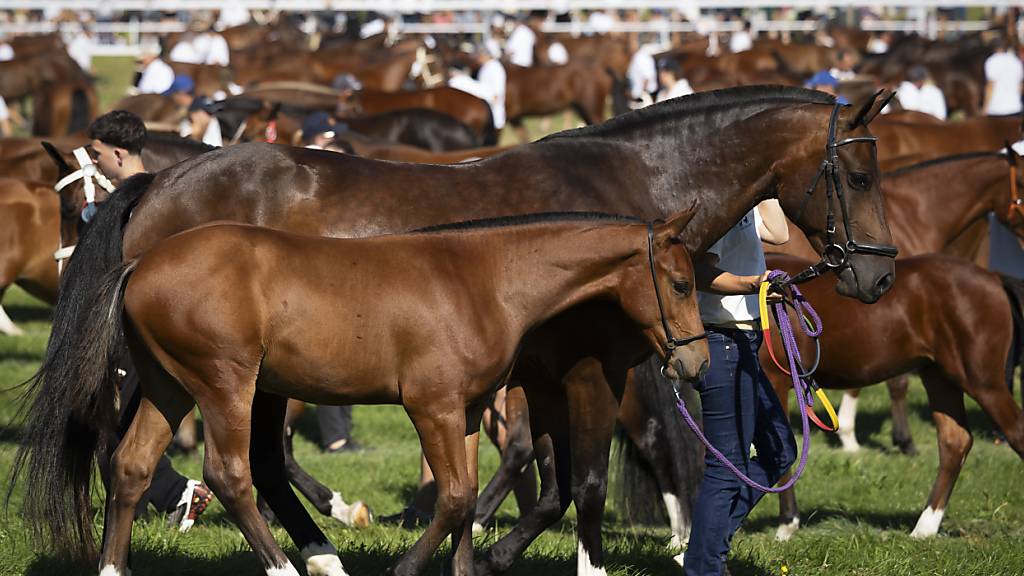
[[156, 75], [202, 123], [672, 83], [1004, 75], [347, 85], [523, 39], [919, 93], [741, 40], [643, 77], [845, 61], [825, 82]]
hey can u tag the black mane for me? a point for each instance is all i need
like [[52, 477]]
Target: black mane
[[943, 160], [177, 141], [527, 219], [700, 103]]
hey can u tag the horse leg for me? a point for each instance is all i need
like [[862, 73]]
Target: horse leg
[[789, 513], [548, 423], [848, 420], [593, 409], [442, 435], [326, 501], [950, 416], [515, 471], [7, 326], [901, 437], [186, 438], [131, 470], [227, 423], [267, 457]]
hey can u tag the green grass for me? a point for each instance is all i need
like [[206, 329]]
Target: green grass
[[858, 510]]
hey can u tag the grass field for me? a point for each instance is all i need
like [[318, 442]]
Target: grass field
[[858, 510]]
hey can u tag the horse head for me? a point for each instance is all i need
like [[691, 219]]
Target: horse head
[[842, 212]]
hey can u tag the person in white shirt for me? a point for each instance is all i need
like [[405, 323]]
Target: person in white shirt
[[211, 47], [489, 85], [496, 33], [318, 130], [234, 13], [742, 40], [1004, 77], [918, 93], [185, 50], [558, 55], [643, 75], [521, 42], [6, 52], [600, 22], [157, 75], [80, 47], [879, 43], [202, 123], [5, 119], [843, 70], [672, 86]]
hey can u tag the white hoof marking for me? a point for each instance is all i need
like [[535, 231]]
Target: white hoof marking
[[928, 523], [786, 531], [7, 327], [478, 528], [583, 565], [848, 423], [286, 570]]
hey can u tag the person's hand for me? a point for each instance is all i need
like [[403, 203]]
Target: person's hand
[[772, 297]]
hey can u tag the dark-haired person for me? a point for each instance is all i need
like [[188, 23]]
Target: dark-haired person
[[118, 138]]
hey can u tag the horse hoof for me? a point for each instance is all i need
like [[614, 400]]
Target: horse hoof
[[362, 517], [786, 531], [908, 448], [357, 514], [478, 528], [679, 558]]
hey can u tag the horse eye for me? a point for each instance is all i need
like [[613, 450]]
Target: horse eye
[[859, 180], [681, 287]]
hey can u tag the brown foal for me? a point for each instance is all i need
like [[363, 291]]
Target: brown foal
[[226, 317]]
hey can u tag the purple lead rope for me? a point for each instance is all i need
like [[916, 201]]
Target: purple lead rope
[[802, 397]]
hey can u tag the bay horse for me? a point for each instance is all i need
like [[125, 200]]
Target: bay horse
[[541, 90], [933, 207], [644, 163], [434, 322], [464, 107], [905, 143], [30, 219], [958, 325], [62, 108]]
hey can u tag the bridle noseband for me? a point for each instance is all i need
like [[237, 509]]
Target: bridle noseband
[[836, 256], [87, 172], [671, 342]]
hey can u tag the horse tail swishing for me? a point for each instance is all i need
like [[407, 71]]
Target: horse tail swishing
[[69, 402], [73, 413]]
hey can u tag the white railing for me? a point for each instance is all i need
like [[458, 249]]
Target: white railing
[[411, 6]]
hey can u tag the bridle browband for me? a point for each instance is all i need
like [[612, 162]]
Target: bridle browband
[[87, 173], [835, 256], [671, 342]]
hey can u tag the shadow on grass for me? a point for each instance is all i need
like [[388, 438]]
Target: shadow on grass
[[904, 521], [21, 314], [741, 568]]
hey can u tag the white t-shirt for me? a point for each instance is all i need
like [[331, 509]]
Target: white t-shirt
[[185, 51], [218, 54], [1006, 73], [680, 88], [601, 22], [493, 47], [5, 114], [877, 46], [233, 14], [642, 74], [739, 252], [80, 49], [740, 41], [557, 54], [156, 78], [492, 75], [6, 52], [211, 135], [519, 46], [928, 99], [842, 75]]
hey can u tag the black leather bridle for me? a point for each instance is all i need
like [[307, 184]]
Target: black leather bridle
[[836, 256], [671, 342]]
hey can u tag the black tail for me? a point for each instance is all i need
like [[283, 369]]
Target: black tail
[[1015, 291], [68, 407], [490, 135], [638, 492]]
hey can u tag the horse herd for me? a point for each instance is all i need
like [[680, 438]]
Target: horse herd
[[555, 268]]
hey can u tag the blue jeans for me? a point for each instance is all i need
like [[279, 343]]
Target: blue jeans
[[740, 408]]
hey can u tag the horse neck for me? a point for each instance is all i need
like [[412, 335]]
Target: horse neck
[[930, 208], [541, 272], [737, 152]]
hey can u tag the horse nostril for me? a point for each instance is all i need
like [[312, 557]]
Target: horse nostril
[[885, 283]]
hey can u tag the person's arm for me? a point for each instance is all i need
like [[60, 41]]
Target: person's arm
[[772, 227], [713, 280]]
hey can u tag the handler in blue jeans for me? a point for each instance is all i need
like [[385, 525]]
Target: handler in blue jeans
[[739, 405]]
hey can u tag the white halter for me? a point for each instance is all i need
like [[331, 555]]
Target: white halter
[[87, 172]]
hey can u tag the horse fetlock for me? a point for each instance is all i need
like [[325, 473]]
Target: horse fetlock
[[584, 565], [786, 530], [322, 560]]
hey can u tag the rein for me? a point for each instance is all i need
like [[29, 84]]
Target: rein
[[801, 382], [671, 342], [1016, 203], [87, 172], [836, 256]]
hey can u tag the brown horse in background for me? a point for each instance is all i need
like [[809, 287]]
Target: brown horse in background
[[464, 107], [957, 325], [903, 144], [541, 90], [63, 108], [30, 220], [511, 273]]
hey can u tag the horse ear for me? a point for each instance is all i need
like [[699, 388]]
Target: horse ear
[[676, 223], [871, 108], [58, 158]]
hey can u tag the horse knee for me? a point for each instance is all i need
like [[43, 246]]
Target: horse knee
[[130, 478], [956, 443], [590, 493], [456, 504]]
